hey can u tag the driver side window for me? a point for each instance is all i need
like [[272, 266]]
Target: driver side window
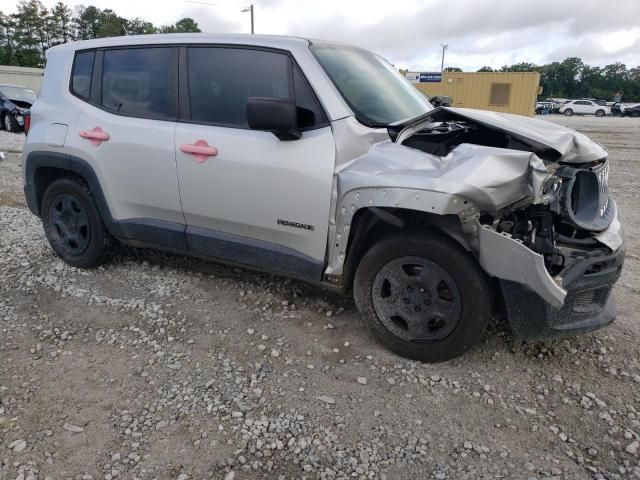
[[222, 79]]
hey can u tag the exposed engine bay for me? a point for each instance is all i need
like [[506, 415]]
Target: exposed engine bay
[[572, 201], [531, 196], [562, 219], [440, 138]]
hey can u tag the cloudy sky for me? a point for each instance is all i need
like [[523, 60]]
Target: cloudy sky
[[409, 32]]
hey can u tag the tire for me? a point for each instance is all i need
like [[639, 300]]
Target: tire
[[73, 225], [10, 123], [635, 114], [600, 113], [568, 112], [452, 290]]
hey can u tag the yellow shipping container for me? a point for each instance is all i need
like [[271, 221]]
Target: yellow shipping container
[[509, 92]]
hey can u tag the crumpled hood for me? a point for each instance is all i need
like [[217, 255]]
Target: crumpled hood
[[572, 146], [490, 177]]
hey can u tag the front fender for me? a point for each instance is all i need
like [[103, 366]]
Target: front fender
[[470, 179], [393, 197]]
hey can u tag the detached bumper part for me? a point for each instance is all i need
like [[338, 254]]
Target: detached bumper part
[[506, 258], [588, 305], [539, 306]]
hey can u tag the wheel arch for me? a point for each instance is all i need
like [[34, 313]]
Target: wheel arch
[[42, 168], [372, 224]]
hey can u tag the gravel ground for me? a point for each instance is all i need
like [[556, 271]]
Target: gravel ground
[[159, 366]]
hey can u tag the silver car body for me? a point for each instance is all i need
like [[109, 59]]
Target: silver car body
[[322, 180]]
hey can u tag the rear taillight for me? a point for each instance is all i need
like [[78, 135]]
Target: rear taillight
[[27, 121]]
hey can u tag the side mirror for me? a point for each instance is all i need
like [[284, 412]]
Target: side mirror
[[275, 115]]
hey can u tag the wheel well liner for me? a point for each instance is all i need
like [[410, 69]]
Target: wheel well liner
[[370, 224]]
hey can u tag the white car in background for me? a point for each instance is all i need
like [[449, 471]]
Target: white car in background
[[584, 107]]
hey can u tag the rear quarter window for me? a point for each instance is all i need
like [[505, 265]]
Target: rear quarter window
[[81, 74]]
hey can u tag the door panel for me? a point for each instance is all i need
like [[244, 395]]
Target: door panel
[[255, 181], [126, 129], [136, 166], [241, 187]]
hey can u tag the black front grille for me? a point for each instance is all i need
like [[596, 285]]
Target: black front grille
[[592, 300]]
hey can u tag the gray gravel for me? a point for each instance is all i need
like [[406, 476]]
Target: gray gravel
[[159, 366]]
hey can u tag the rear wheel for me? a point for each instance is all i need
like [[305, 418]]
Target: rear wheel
[[10, 123], [599, 113], [568, 112], [73, 225], [423, 297]]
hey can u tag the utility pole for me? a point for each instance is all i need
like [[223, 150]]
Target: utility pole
[[250, 9], [444, 47]]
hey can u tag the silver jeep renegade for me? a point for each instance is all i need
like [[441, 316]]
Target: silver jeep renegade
[[319, 161]]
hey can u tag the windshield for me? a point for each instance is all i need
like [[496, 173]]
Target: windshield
[[19, 94], [372, 87]]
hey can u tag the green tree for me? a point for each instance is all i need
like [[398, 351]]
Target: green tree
[[453, 69], [137, 26], [486, 69], [7, 30], [87, 22], [520, 67], [110, 24], [31, 33], [184, 25], [61, 24]]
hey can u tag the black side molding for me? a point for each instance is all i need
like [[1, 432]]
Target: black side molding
[[176, 237], [248, 251]]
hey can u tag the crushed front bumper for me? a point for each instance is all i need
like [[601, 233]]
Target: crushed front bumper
[[588, 305]]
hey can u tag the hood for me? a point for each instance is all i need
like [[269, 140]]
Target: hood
[[492, 178], [549, 141]]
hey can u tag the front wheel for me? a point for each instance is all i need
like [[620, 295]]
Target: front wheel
[[600, 113], [568, 112], [423, 297]]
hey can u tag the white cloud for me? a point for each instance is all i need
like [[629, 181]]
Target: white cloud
[[409, 32]]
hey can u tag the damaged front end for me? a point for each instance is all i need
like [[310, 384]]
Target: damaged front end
[[543, 224]]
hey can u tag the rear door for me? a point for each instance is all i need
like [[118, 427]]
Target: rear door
[[126, 133], [250, 197]]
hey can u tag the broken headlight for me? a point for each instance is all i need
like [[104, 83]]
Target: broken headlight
[[585, 197], [549, 189]]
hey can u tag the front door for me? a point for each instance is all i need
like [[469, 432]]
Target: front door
[[246, 195]]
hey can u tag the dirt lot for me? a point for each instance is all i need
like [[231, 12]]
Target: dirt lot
[[160, 366]]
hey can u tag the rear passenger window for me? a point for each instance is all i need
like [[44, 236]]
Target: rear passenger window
[[82, 71], [221, 80], [137, 82]]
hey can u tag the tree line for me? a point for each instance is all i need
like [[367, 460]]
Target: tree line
[[26, 35], [572, 78]]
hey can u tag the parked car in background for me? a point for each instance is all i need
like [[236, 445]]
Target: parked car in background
[[321, 162], [625, 110], [584, 107], [544, 107], [14, 101], [555, 103]]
